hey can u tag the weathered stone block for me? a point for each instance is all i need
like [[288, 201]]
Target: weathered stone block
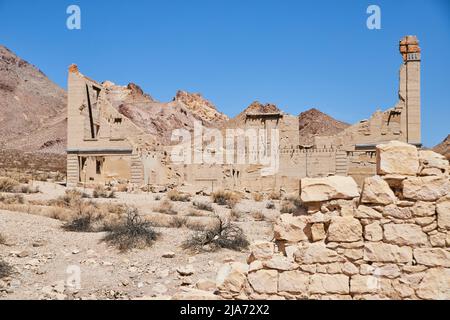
[[433, 257], [373, 232], [232, 277], [443, 212], [293, 282], [344, 229], [264, 281], [316, 253], [324, 189], [435, 285], [405, 234], [428, 188], [397, 157], [384, 252], [325, 283], [377, 191], [261, 250], [290, 229]]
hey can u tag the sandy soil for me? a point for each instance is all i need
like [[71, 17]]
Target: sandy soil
[[47, 260]]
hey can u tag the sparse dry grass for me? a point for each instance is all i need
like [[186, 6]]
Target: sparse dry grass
[[225, 235], [258, 197], [258, 215], [2, 239], [174, 195], [235, 215], [270, 205], [101, 192], [8, 185], [5, 269], [165, 221], [227, 198], [166, 207], [205, 206], [132, 233], [292, 204], [274, 195], [12, 199]]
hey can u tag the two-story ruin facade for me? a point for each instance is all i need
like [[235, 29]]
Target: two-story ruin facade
[[104, 146]]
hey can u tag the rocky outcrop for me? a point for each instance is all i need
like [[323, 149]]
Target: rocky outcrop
[[385, 242], [313, 123], [33, 108], [444, 148]]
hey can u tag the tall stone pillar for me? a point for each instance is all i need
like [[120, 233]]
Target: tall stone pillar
[[410, 89]]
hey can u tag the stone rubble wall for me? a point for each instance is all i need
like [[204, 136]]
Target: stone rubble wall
[[389, 240]]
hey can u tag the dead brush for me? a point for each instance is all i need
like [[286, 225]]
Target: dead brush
[[258, 216], [101, 192], [12, 199], [71, 198], [174, 195], [166, 207], [5, 269], [228, 198], [89, 216], [235, 215], [270, 205], [293, 205], [133, 233], [274, 195], [7, 184], [205, 206], [225, 235], [2, 239], [258, 197], [27, 189]]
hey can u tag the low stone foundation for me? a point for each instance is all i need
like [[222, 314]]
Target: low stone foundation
[[389, 240]]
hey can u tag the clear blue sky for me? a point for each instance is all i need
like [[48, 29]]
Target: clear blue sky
[[296, 54]]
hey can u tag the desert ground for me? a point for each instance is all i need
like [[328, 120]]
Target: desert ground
[[41, 258]]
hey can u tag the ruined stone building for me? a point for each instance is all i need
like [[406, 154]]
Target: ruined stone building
[[105, 145]]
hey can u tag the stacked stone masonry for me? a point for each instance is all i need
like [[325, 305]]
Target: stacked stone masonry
[[388, 241]]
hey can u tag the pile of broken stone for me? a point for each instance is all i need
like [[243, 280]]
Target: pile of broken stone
[[388, 240]]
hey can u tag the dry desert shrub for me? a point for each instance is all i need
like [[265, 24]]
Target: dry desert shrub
[[132, 233], [5, 269], [12, 199], [165, 221], [174, 195], [101, 192], [292, 204], [258, 215], [195, 213], [2, 239], [258, 197], [227, 198], [235, 214], [25, 188], [8, 184], [270, 205], [71, 198], [274, 195], [178, 222], [205, 206], [166, 207], [225, 235], [88, 216]]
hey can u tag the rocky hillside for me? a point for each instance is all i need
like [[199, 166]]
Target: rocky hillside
[[444, 147], [158, 118], [33, 108], [314, 122]]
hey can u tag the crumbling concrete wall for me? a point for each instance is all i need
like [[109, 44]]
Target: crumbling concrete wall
[[389, 240], [99, 133]]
